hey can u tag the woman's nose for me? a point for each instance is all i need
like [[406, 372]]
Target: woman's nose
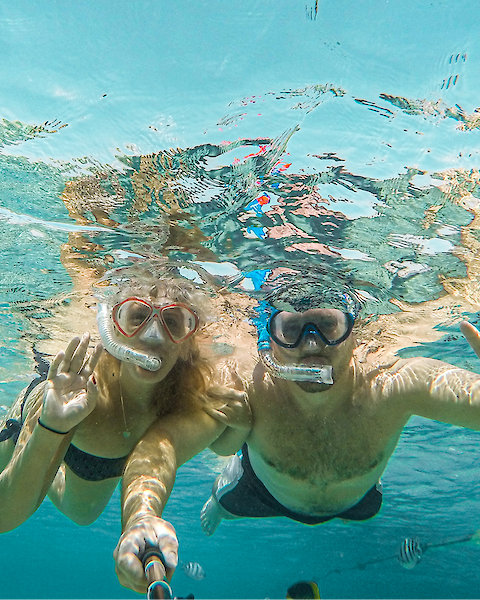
[[154, 331]]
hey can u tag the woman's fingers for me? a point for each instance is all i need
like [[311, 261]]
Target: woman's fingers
[[56, 362], [92, 391], [218, 412], [78, 358], [73, 360], [92, 361], [63, 365], [149, 532]]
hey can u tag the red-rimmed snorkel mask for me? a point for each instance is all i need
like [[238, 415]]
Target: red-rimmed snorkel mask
[[134, 316], [149, 303]]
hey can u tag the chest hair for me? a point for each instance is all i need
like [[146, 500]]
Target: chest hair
[[318, 448]]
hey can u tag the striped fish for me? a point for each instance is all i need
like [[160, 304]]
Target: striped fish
[[410, 553], [194, 570]]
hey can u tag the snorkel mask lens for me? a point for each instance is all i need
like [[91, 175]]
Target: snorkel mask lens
[[133, 314], [287, 329]]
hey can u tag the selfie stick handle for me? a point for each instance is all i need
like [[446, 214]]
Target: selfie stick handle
[[154, 567]]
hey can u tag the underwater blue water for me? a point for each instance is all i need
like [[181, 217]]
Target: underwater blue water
[[132, 78], [430, 491]]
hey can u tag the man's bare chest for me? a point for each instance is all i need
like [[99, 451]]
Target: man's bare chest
[[315, 449]]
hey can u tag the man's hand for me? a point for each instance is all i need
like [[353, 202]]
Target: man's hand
[[71, 392], [472, 335], [149, 531], [230, 407]]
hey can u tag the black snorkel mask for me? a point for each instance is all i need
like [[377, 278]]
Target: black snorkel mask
[[330, 316], [288, 329]]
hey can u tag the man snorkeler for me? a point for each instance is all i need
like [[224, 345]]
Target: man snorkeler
[[324, 428]]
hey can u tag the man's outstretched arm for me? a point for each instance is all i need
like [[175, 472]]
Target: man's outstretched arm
[[435, 389]]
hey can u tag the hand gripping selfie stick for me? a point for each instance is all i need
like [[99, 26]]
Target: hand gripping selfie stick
[[154, 567]]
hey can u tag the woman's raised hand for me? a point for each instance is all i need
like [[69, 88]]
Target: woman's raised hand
[[71, 392]]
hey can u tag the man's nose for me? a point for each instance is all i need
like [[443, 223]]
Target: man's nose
[[312, 340]]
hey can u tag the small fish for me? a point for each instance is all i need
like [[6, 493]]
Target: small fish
[[410, 553], [194, 570], [303, 590]]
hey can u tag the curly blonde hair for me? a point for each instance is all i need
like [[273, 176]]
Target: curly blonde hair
[[154, 280], [192, 373]]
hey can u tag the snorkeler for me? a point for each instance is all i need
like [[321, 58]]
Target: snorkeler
[[308, 382], [324, 426], [71, 433]]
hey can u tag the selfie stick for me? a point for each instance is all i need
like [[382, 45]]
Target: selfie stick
[[154, 567]]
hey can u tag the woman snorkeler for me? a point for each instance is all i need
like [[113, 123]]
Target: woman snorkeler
[[71, 432]]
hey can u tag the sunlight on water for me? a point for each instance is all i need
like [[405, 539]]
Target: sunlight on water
[[248, 142]]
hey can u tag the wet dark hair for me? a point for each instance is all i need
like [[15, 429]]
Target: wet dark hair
[[308, 294]]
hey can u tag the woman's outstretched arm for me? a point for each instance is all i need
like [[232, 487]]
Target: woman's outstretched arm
[[150, 475]]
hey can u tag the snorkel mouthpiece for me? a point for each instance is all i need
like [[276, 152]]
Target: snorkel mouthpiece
[[121, 351], [300, 372]]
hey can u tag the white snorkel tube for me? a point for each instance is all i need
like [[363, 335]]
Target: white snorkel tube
[[300, 372], [106, 329]]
